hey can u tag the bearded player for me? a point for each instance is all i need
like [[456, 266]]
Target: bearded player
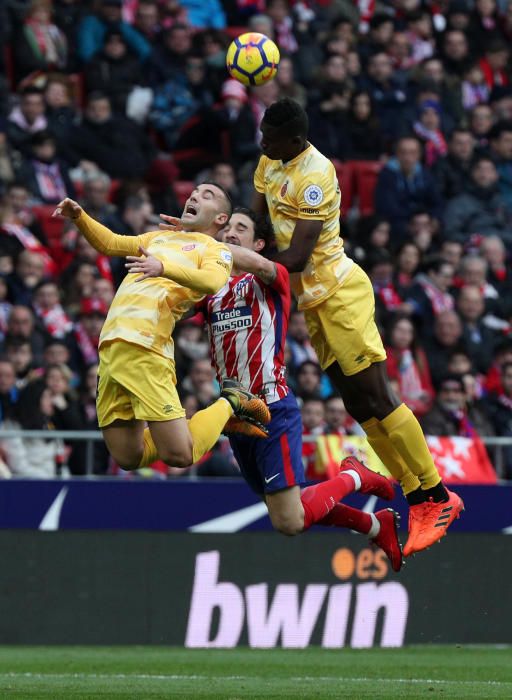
[[136, 378], [297, 186]]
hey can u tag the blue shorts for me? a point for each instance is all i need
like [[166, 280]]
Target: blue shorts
[[275, 463]]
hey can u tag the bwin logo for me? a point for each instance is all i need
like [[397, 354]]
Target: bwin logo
[[289, 621]]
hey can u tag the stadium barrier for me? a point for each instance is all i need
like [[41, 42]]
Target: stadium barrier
[[253, 589], [497, 444]]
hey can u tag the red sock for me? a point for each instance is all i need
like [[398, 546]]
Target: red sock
[[345, 516], [319, 500]]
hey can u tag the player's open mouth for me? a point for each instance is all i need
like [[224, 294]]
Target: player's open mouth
[[190, 209]]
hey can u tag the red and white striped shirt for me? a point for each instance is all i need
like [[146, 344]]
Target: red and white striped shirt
[[247, 324]]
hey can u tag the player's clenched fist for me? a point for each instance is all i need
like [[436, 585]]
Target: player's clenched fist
[[68, 208]]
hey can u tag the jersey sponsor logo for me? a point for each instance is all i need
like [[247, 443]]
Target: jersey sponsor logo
[[233, 319], [314, 195], [284, 189], [190, 246], [308, 210]]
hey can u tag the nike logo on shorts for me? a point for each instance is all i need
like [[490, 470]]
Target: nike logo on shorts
[[267, 481]]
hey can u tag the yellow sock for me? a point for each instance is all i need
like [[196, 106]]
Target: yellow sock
[[385, 450], [206, 426], [405, 433], [150, 453]]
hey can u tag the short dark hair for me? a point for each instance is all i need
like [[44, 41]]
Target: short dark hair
[[262, 227], [287, 113], [434, 263], [227, 196]]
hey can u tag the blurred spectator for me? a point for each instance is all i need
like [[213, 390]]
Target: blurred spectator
[[499, 409], [178, 100], [8, 390], [499, 274], [455, 53], [33, 458], [68, 15], [103, 138], [19, 229], [233, 117], [451, 251], [26, 119], [22, 324], [169, 56], [101, 456], [405, 185], [372, 232], [452, 172], [446, 339], [500, 138], [93, 28], [114, 71], [452, 414], [337, 420], [29, 271], [475, 90], [56, 352], [44, 174], [408, 365], [428, 129], [86, 333], [19, 353], [38, 45], [365, 141], [60, 111], [310, 383], [288, 86], [313, 420], [494, 63], [201, 381], [147, 20], [484, 25], [6, 159], [480, 124], [479, 340], [387, 94], [379, 267], [481, 209], [407, 262], [298, 341], [429, 296], [67, 413], [48, 309], [78, 282], [103, 289], [190, 344], [95, 199]]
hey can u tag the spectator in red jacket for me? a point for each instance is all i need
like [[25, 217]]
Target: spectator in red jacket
[[408, 365]]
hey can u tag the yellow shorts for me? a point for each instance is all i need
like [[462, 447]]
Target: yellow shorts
[[134, 382], [342, 328]]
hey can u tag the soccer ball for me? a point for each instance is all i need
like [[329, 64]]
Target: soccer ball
[[252, 59]]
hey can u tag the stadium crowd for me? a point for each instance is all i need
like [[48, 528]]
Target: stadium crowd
[[125, 104]]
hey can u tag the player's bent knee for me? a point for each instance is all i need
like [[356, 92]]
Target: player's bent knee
[[128, 462], [177, 459], [289, 526]]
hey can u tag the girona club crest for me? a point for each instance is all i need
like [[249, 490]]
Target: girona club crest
[[284, 188]]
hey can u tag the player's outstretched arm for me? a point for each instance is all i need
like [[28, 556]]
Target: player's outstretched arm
[[304, 239], [100, 237], [211, 276], [250, 261]]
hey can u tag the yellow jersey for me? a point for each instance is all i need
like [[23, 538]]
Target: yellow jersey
[[145, 312], [306, 188]]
